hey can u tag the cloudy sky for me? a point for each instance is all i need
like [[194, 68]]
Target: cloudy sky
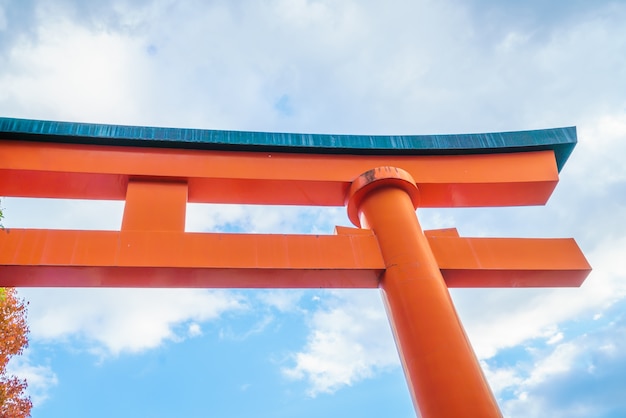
[[356, 67]]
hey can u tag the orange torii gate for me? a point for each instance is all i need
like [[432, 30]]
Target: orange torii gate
[[381, 180]]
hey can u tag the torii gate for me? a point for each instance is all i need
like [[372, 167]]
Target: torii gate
[[381, 179]]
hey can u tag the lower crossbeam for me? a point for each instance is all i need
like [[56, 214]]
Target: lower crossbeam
[[350, 259]]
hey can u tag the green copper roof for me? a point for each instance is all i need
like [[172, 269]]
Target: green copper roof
[[561, 140]]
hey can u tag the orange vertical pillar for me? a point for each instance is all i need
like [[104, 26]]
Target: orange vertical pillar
[[443, 374], [155, 206]]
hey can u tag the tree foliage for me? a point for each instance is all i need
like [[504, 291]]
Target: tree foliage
[[13, 340]]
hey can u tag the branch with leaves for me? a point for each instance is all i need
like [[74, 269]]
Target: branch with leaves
[[14, 402]]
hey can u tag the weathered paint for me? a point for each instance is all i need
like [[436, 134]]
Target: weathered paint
[[560, 140]]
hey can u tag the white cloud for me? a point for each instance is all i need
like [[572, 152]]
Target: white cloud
[[194, 330], [40, 378], [349, 340], [63, 213], [85, 70], [598, 157], [513, 41], [227, 332], [501, 378], [577, 378], [112, 321], [283, 300], [558, 362], [263, 219], [3, 19], [555, 338]]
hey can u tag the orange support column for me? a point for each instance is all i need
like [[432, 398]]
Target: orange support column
[[443, 374], [155, 206]]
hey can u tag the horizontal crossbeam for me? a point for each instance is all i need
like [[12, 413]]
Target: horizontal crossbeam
[[508, 262], [350, 259], [76, 171]]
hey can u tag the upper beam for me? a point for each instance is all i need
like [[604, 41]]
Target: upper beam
[[559, 140], [38, 169]]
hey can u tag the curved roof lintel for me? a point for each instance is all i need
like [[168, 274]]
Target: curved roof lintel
[[560, 140]]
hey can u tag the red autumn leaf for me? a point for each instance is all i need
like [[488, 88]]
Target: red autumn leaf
[[13, 340]]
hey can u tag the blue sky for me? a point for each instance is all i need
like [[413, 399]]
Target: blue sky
[[356, 67]]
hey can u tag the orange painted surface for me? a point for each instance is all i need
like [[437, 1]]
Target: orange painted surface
[[155, 206], [509, 262], [443, 374], [229, 260], [167, 277], [171, 249], [65, 258], [31, 169]]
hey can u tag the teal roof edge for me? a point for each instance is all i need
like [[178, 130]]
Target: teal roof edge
[[560, 140]]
